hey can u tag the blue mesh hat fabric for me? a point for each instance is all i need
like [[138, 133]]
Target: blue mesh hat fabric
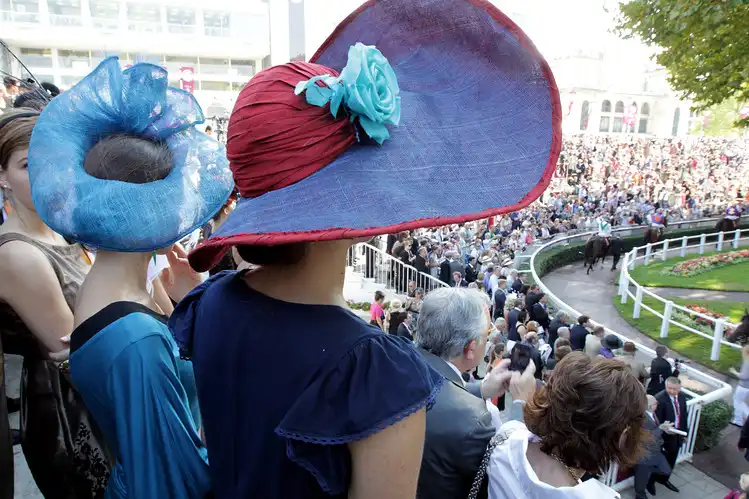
[[122, 216], [479, 133]]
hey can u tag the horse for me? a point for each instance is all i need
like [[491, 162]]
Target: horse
[[726, 225], [740, 335], [596, 248], [653, 235]]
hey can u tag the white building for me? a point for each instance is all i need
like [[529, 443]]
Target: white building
[[604, 82], [220, 43]]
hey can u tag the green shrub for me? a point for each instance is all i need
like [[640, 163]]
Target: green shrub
[[559, 256], [715, 417]]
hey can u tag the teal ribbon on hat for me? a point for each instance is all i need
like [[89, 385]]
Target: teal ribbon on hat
[[367, 88]]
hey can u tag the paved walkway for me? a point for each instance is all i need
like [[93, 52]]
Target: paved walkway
[[692, 484], [700, 294], [593, 295]]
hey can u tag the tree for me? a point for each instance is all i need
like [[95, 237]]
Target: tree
[[704, 45], [719, 120]]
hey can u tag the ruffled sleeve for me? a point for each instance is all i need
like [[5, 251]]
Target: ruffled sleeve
[[381, 380]]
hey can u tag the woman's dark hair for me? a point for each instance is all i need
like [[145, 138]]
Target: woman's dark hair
[[567, 412], [562, 351], [583, 319], [282, 254], [15, 132], [129, 159], [379, 295]]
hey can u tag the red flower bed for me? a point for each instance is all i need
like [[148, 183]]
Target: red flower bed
[[706, 263]]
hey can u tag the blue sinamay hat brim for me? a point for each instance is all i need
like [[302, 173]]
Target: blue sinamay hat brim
[[479, 135], [122, 216]]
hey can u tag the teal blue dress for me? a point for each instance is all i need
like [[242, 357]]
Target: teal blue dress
[[126, 365]]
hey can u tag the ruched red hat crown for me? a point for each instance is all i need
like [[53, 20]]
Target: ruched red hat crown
[[275, 137]]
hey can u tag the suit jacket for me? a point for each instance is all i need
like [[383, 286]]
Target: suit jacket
[[462, 284], [512, 325], [554, 330], [660, 370], [420, 264], [665, 412], [471, 274], [538, 313], [445, 275], [653, 457], [404, 332], [517, 285], [578, 333], [500, 298], [459, 427]]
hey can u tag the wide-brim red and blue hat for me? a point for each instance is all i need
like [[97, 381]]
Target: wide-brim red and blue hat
[[413, 113]]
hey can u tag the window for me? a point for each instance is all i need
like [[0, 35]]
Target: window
[[104, 9], [180, 20], [675, 125], [65, 12], [242, 68], [150, 58], [604, 126], [606, 106], [175, 62], [21, 11], [215, 85], [214, 66], [37, 58], [98, 55], [643, 127], [216, 23], [74, 59], [619, 108], [645, 111], [237, 87], [144, 18], [584, 116], [618, 122]]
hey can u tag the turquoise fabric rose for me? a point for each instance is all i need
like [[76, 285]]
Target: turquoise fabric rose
[[367, 87]]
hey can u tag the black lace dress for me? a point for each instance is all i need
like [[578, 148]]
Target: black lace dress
[[61, 443]]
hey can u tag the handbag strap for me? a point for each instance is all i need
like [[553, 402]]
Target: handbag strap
[[496, 440]]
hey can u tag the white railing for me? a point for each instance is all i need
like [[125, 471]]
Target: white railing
[[719, 388], [660, 251], [376, 264]]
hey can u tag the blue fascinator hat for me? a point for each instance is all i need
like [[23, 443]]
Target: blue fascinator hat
[[114, 215]]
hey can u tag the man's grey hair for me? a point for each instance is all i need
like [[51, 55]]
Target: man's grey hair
[[651, 402], [563, 332], [561, 315], [450, 319]]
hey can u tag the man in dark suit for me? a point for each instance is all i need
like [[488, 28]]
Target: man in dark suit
[[404, 328], [512, 322], [660, 371], [445, 274], [561, 319], [653, 464], [471, 272], [579, 332], [453, 328], [672, 407], [458, 281], [500, 298]]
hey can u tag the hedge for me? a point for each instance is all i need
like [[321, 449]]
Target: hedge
[[715, 417], [559, 256]]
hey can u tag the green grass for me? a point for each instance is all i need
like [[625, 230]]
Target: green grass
[[730, 278], [690, 345]]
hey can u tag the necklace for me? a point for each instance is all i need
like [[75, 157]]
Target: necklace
[[569, 470]]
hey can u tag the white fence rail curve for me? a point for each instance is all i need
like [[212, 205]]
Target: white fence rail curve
[[719, 388], [682, 247]]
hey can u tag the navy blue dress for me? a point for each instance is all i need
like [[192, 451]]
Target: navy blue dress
[[284, 387]]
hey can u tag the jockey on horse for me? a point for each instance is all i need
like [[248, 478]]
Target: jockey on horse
[[730, 219], [604, 230]]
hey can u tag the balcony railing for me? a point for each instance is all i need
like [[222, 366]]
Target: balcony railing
[[182, 29], [217, 31], [9, 16], [106, 24], [65, 20], [144, 26]]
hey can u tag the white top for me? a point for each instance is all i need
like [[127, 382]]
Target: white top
[[512, 477]]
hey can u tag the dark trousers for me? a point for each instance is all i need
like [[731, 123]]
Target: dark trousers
[[644, 476], [671, 445]]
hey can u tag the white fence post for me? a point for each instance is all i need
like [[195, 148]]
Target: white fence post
[[633, 259], [638, 303], [648, 249], [624, 282], [683, 252], [720, 241], [717, 336], [702, 244], [665, 250], [736, 237], [666, 319]]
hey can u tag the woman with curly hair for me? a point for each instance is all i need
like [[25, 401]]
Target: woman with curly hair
[[564, 436]]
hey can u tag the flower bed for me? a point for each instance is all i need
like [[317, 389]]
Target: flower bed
[[702, 264], [700, 323]]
